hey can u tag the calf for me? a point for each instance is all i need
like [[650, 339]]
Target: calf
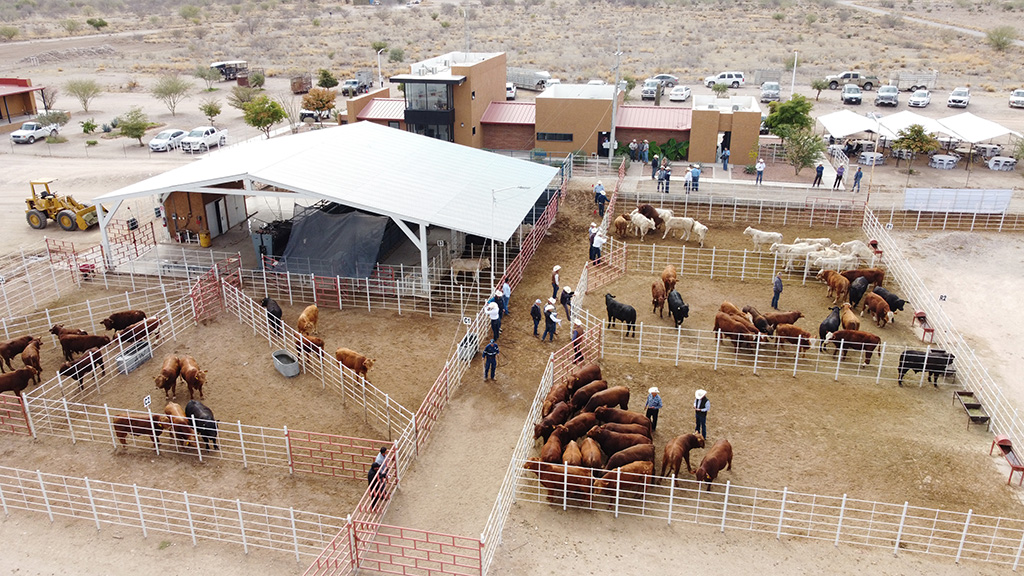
[[879, 309], [30, 357], [822, 242], [718, 457], [168, 377], [777, 318], [790, 334], [641, 224], [627, 428], [181, 431], [59, 330], [474, 265], [84, 365], [591, 452], [730, 308], [151, 427], [854, 340], [583, 376], [121, 320], [652, 213], [354, 361], [858, 286], [308, 320], [681, 223], [608, 414], [615, 396], [72, 343], [612, 442], [935, 362], [677, 308], [561, 480], [829, 324], [678, 450], [582, 396], [558, 393], [734, 329], [669, 278], [658, 298], [664, 213], [551, 451], [761, 238], [148, 329], [700, 231], [621, 224], [838, 285], [631, 479], [895, 302], [847, 318], [17, 380], [578, 425], [559, 414], [193, 376], [274, 314], [619, 311], [205, 424], [11, 348]]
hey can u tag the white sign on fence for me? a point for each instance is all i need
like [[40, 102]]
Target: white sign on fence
[[147, 401]]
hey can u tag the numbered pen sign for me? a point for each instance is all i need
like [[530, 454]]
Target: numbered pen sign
[[147, 401], [467, 320]]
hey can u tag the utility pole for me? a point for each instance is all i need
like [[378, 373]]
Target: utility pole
[[465, 28], [615, 102]]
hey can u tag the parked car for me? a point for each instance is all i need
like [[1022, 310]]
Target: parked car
[[1017, 98], [679, 94], [203, 138], [852, 94], [770, 92], [959, 98], [32, 131], [167, 140], [650, 89], [669, 80], [888, 96], [920, 99], [510, 91], [730, 79]]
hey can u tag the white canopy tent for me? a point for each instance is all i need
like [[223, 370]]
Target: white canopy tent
[[890, 126], [407, 177], [845, 122], [974, 129]]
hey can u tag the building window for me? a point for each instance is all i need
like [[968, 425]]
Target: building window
[[438, 131], [393, 124], [554, 137], [427, 96], [474, 130]]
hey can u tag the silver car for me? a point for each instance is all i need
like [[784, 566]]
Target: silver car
[[167, 140], [770, 92]]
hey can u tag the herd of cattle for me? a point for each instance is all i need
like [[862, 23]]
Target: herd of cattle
[[592, 442], [646, 218]]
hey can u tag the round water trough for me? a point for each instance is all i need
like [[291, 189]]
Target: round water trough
[[286, 363]]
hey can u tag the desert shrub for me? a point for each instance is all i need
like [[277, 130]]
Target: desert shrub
[[778, 16], [106, 129], [190, 12], [890, 21], [325, 79], [70, 26], [1001, 37], [91, 142], [88, 126], [58, 139], [445, 24], [97, 23], [396, 55], [257, 79], [8, 32]]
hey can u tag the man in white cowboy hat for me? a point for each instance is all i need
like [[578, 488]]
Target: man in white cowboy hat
[[653, 405], [591, 233], [493, 310], [700, 408], [759, 169], [599, 240], [554, 281], [577, 340], [498, 298], [551, 321], [566, 301]]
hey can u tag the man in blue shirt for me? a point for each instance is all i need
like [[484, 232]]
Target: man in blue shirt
[[490, 360], [725, 159], [818, 173], [777, 290], [653, 405], [856, 180]]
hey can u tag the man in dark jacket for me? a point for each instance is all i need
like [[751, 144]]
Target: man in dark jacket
[[535, 313], [490, 360]]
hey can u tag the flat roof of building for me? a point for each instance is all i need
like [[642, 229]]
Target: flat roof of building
[[726, 105], [524, 113], [579, 91]]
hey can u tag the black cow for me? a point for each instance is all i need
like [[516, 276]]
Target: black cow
[[895, 302], [78, 369], [205, 425], [273, 314], [935, 362], [857, 289], [829, 324], [619, 311], [679, 309]]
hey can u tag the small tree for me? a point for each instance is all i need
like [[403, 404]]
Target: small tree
[[803, 148], [57, 117], [325, 79], [134, 124], [291, 112], [378, 46], [8, 32], [1017, 151], [84, 90], [262, 113], [210, 108], [171, 89], [720, 89], [819, 85], [70, 26], [915, 140], [208, 75], [319, 100], [790, 116], [189, 12], [97, 23], [257, 79], [1001, 37], [396, 55], [49, 96], [242, 95]]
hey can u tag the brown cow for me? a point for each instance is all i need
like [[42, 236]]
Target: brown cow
[[838, 285], [677, 451], [354, 361], [591, 452], [559, 414], [59, 330], [614, 396], [658, 298], [621, 224], [558, 393], [879, 309], [77, 343], [582, 396], [583, 376], [150, 427], [557, 477], [730, 308], [606, 414], [143, 329], [631, 454], [853, 340], [30, 357], [777, 318], [193, 376], [308, 320], [121, 320], [848, 318], [652, 213], [551, 451], [733, 329], [793, 335], [168, 378], [759, 321], [572, 455], [628, 428], [631, 479], [11, 348], [308, 344], [84, 365], [719, 456], [669, 278], [612, 442], [578, 425], [875, 276], [17, 380], [181, 430]]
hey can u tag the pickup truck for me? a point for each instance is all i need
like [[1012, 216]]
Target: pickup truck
[[203, 138], [32, 131], [865, 81]]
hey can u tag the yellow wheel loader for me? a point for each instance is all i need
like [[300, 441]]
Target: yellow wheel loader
[[45, 205]]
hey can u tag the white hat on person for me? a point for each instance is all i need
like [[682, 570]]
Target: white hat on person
[[700, 394], [653, 390], [556, 268]]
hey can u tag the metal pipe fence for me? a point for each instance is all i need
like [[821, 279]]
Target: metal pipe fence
[[970, 221], [810, 211]]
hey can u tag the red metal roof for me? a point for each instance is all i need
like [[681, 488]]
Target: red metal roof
[[654, 117], [383, 109], [510, 113]]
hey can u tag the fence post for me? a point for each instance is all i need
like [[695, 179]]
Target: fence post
[[1016, 558], [565, 485], [295, 533], [725, 504], [679, 337], [640, 343], [188, 514], [241, 526], [110, 425], [881, 362], [672, 494], [28, 416], [713, 248], [718, 345], [288, 277], [368, 307], [288, 450], [195, 432], [152, 429], [3, 503], [67, 414], [782, 511], [142, 518], [387, 409], [46, 497], [743, 267], [899, 531], [963, 535], [353, 552], [839, 359], [92, 503], [757, 351], [796, 353], [241, 443], [924, 370]]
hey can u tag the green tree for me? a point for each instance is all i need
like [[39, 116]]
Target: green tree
[[818, 84], [396, 55], [8, 32], [134, 124], [242, 95], [915, 140], [84, 89], [70, 26], [57, 117], [208, 75], [88, 126], [190, 12], [210, 108], [257, 79], [378, 46], [171, 89], [1017, 150], [97, 23], [325, 79], [790, 116], [803, 148], [720, 89], [262, 113], [319, 100], [1001, 37]]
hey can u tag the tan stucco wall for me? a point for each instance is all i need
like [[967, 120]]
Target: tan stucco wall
[[584, 119], [355, 105], [485, 82], [704, 135], [707, 124]]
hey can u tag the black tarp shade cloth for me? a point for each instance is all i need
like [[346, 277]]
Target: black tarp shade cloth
[[325, 244]]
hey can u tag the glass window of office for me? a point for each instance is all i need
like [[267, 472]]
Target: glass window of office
[[428, 96], [439, 131]]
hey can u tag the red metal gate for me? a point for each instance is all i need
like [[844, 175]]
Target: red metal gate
[[12, 415], [608, 268], [206, 296]]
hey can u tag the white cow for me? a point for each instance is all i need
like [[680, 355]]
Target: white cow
[[823, 242], [664, 213], [700, 231], [474, 265], [856, 248], [681, 223], [791, 252], [642, 224], [761, 237]]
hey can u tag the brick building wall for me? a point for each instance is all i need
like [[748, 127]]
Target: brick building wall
[[508, 136]]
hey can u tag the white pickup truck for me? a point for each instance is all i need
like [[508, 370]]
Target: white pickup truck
[[32, 131], [203, 138]]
